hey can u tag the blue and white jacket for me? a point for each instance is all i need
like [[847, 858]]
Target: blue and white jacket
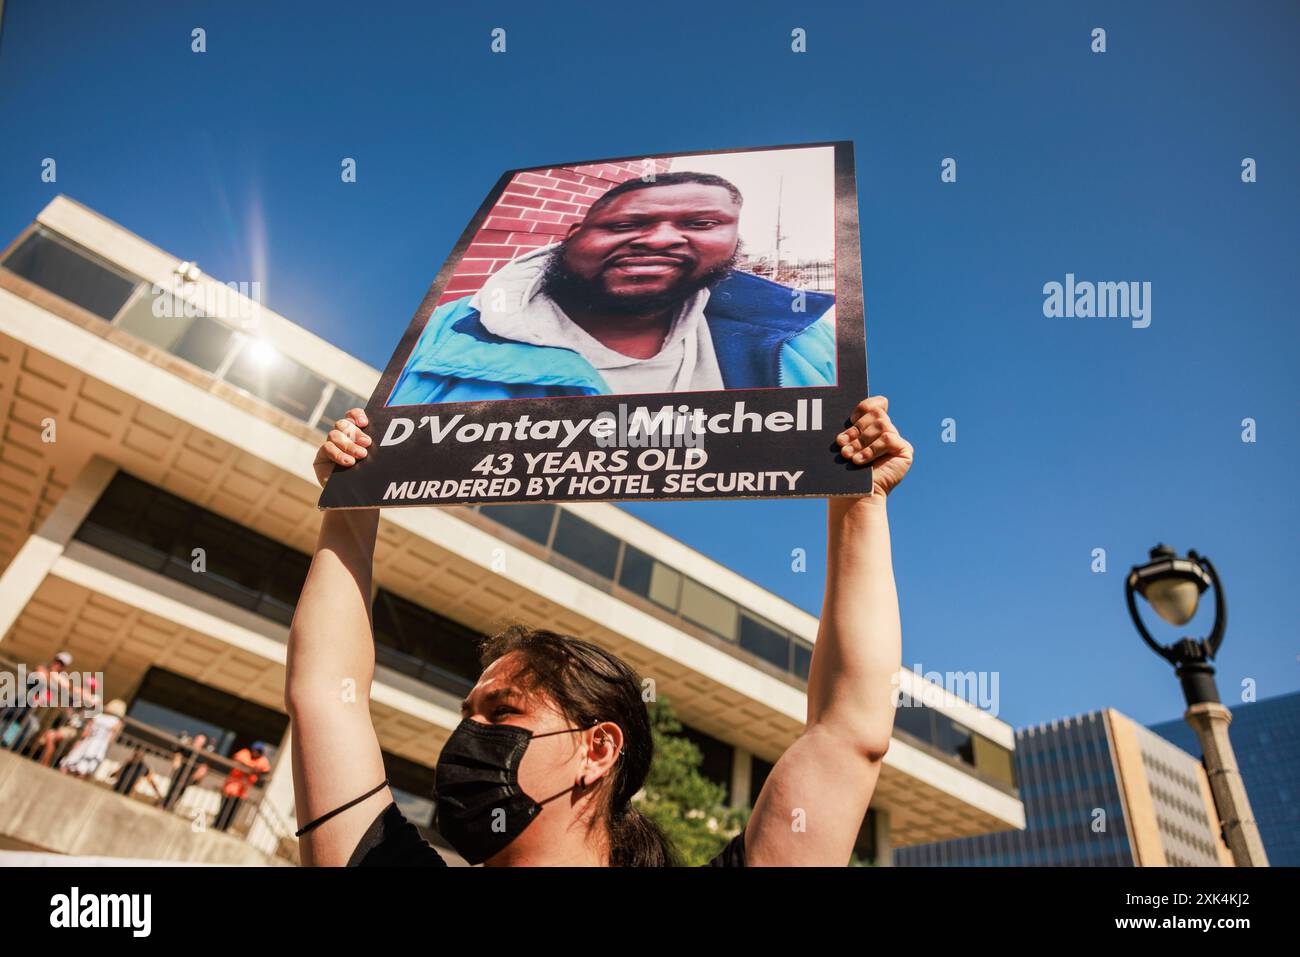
[[760, 342]]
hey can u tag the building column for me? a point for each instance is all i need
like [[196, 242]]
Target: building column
[[277, 801], [44, 546], [742, 769], [1210, 719], [881, 838]]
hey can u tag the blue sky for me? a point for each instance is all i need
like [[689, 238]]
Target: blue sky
[[1072, 434]]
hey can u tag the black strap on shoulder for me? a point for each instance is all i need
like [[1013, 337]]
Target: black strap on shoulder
[[338, 810]]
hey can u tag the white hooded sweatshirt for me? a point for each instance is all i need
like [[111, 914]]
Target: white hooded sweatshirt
[[512, 305]]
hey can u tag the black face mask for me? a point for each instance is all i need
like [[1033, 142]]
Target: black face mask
[[481, 807]]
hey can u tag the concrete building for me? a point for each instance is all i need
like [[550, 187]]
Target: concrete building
[[1266, 740], [157, 513], [1099, 790]]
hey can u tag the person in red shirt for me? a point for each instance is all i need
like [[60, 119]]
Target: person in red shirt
[[240, 780]]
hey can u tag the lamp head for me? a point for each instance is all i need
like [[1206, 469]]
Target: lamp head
[[1172, 585]]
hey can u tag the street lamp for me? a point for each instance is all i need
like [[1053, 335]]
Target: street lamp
[[1173, 586]]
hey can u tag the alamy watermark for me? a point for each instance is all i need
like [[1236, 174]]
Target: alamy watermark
[[133, 912], [1075, 299], [980, 688], [42, 689], [237, 303], [638, 427]]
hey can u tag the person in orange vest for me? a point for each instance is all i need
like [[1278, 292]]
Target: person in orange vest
[[240, 779]]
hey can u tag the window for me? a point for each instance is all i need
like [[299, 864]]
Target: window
[[282, 584], [636, 571], [650, 578], [412, 787], [161, 331], [584, 543], [715, 758], [665, 586], [914, 718], [530, 520], [159, 531], [337, 406], [758, 772], [133, 523], [197, 339], [206, 343], [263, 372], [765, 640], [802, 660], [705, 607], [79, 277], [424, 644], [994, 760], [177, 704], [595, 549], [235, 563], [181, 724], [952, 738]]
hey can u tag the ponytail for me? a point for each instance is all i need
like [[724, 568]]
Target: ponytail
[[636, 841]]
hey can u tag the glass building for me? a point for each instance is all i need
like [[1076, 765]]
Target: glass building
[[1266, 739], [1099, 791]]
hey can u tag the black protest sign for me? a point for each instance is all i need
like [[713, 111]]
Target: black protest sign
[[662, 327]]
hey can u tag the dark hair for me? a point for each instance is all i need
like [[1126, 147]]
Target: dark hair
[[590, 686], [667, 179]]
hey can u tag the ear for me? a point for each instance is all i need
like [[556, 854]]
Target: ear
[[573, 228], [603, 748]]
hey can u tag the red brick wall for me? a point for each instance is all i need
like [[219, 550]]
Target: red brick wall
[[537, 209]]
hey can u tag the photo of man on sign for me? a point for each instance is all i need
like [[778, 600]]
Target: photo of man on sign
[[649, 287]]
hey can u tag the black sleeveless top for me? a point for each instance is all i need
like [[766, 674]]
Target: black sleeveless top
[[393, 841]]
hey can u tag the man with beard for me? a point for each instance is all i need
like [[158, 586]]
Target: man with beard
[[641, 296]]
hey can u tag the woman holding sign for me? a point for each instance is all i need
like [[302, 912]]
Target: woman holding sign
[[555, 738]]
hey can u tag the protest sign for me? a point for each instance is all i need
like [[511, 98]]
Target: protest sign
[[663, 327]]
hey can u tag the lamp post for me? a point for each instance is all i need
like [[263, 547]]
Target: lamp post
[[1173, 587]]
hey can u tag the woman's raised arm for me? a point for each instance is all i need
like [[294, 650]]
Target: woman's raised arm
[[813, 802], [331, 663]]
